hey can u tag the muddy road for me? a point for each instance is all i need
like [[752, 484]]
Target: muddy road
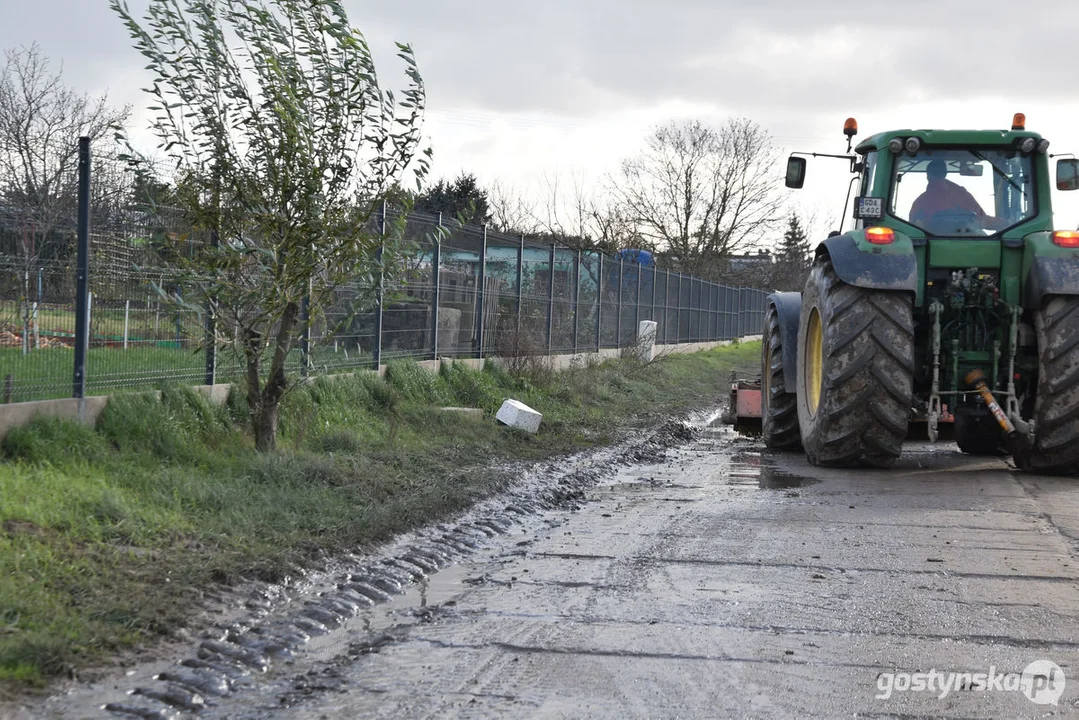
[[719, 580]]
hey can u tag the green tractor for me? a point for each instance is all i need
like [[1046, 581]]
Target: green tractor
[[951, 300]]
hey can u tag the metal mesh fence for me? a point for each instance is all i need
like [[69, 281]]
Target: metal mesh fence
[[464, 292]]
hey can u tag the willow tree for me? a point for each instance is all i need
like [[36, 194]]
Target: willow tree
[[283, 143]]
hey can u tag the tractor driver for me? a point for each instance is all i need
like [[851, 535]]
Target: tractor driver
[[943, 196]]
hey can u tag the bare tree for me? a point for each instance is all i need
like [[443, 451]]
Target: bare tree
[[41, 120], [702, 194], [565, 212], [582, 219], [510, 211]]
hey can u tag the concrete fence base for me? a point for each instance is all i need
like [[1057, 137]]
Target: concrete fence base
[[88, 410]]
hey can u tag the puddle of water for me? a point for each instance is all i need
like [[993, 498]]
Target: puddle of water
[[773, 479], [757, 474]]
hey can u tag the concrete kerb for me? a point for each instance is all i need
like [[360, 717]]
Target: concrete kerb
[[14, 415]]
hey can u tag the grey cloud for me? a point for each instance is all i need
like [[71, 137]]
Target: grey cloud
[[589, 57], [572, 57]]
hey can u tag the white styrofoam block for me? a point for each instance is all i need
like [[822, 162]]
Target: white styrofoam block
[[517, 414], [646, 339]]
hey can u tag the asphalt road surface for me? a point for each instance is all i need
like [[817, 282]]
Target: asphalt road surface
[[728, 581]]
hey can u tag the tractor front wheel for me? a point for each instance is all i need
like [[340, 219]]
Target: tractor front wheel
[[779, 409], [855, 371], [1056, 406]]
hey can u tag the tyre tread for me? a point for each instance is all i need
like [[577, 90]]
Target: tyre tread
[[1056, 407], [779, 411], [869, 365]]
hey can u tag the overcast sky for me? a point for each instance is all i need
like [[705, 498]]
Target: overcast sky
[[520, 90]]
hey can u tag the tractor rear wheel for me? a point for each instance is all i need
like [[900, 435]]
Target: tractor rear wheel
[[1056, 406], [855, 371], [779, 409]]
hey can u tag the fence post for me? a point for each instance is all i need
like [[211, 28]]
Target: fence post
[[599, 305], [655, 285], [436, 266], [706, 311], [700, 310], [24, 310], [210, 374], [618, 309], [376, 353], [701, 332], [82, 277], [550, 300], [741, 313], [637, 310], [678, 313], [694, 313], [730, 305], [37, 306], [713, 299], [481, 297], [666, 304], [305, 338], [576, 302], [703, 301], [520, 286]]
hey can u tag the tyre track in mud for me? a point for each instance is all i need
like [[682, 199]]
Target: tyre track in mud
[[241, 662]]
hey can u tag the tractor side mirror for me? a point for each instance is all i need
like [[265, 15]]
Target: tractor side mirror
[[1067, 174], [796, 172], [970, 169]]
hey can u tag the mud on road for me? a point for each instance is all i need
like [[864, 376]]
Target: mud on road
[[712, 579]]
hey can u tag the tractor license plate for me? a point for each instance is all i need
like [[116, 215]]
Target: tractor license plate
[[868, 208]]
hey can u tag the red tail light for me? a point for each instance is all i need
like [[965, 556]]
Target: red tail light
[[1066, 238], [882, 235]]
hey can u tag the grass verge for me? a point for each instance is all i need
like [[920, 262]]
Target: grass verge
[[108, 535]]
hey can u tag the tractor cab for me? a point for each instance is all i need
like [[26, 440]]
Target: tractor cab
[[958, 192]]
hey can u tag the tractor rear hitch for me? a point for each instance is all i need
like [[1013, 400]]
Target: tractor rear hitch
[[1017, 443]]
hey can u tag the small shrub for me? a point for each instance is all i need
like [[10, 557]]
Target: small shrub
[[195, 414], [472, 388], [414, 383], [299, 469], [340, 441], [525, 357], [53, 440], [140, 422], [297, 414], [382, 397]]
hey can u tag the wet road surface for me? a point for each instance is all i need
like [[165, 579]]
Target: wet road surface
[[726, 581]]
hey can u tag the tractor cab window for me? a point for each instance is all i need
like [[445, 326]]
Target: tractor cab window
[[959, 192], [869, 172]]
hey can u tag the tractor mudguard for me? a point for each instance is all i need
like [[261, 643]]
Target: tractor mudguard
[[860, 263], [788, 307], [1048, 269]]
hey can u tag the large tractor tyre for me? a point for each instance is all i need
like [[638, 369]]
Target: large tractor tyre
[[779, 409], [977, 432], [1056, 407], [855, 371]]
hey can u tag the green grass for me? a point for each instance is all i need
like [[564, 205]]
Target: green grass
[[47, 373], [108, 534], [143, 322]]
